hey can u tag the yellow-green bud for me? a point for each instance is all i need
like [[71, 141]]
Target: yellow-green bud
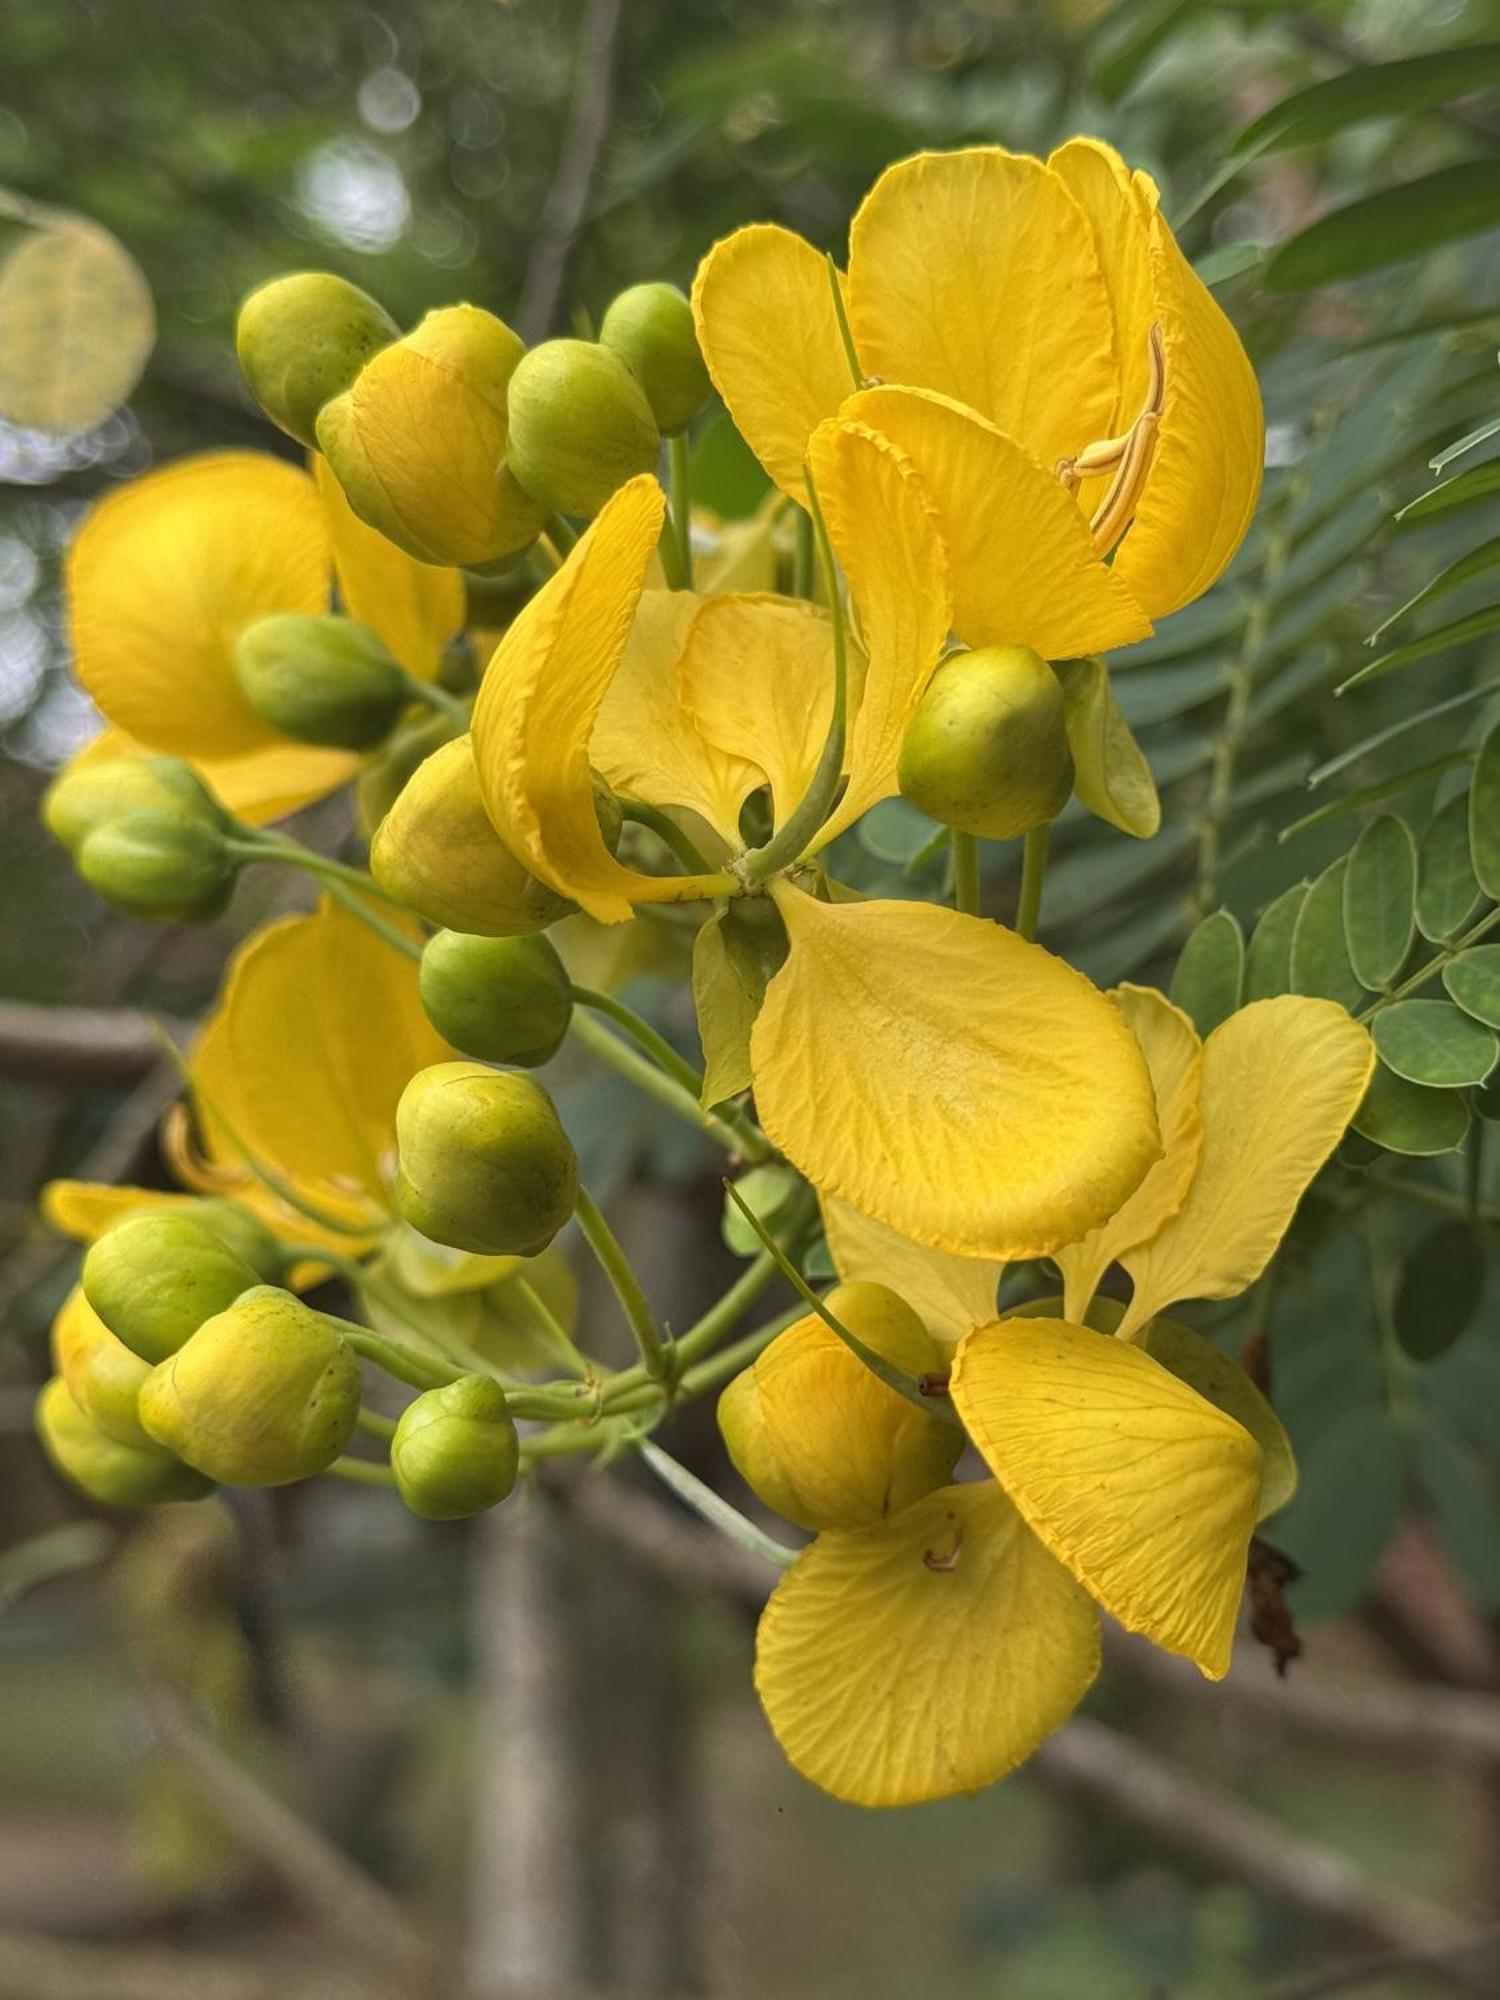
[[987, 750], [651, 328], [438, 852], [323, 680], [118, 1475], [382, 781], [104, 1378], [505, 1000], [157, 1276], [231, 1224], [580, 425], [302, 339], [263, 1393], [455, 1451], [484, 1163], [169, 868], [419, 442], [86, 796], [819, 1437]]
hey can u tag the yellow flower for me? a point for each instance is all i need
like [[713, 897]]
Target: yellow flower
[[165, 573], [1029, 333], [931, 1652], [898, 1040]]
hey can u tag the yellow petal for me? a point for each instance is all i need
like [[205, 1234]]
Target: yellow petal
[[166, 572], [927, 1655], [1281, 1079], [1173, 1055], [886, 535], [541, 694], [317, 1031], [1142, 1488], [974, 273], [1204, 479], [938, 1073], [757, 678], [949, 1294], [1100, 182], [763, 307], [86, 1209], [1023, 563], [257, 787], [646, 743], [412, 606], [1196, 1361]]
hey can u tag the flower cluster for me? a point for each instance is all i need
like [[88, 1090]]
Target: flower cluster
[[1014, 433]]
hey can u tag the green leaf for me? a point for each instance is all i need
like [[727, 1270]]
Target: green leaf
[[1458, 632], [1268, 962], [1476, 484], [1395, 730], [1464, 1508], [1110, 772], [1380, 889], [1432, 1042], [1320, 956], [1223, 1382], [727, 478], [1465, 1386], [894, 831], [1349, 1506], [1229, 260], [1374, 90], [1409, 1119], [1473, 980], [1478, 562], [1465, 444], [1407, 220], [727, 1004], [1369, 795], [1210, 972], [76, 328], [1484, 815], [1447, 892], [1442, 1277]]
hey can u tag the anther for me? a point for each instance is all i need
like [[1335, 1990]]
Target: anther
[[1128, 456], [943, 1564]]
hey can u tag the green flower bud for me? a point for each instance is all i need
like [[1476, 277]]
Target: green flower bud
[[485, 1164], [324, 680], [169, 868], [505, 1000], [419, 442], [104, 1378], [263, 1393], [231, 1224], [86, 796], [580, 425], [157, 1276], [302, 339], [819, 1437], [382, 781], [438, 852], [455, 1451], [987, 750], [651, 328], [118, 1475]]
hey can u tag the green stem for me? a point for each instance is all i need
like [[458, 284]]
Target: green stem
[[1033, 875], [557, 1335], [846, 332], [561, 534], [713, 1508], [403, 1362], [668, 832], [680, 475], [733, 1130], [656, 1353], [376, 1425], [643, 1034], [1435, 965], [965, 873], [787, 843], [362, 1471], [251, 845], [434, 696], [802, 554]]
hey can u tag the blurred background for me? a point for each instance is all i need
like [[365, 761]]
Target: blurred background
[[303, 1744]]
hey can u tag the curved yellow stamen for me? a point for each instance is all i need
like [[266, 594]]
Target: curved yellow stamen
[[1128, 456]]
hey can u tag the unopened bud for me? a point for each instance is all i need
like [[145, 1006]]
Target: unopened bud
[[819, 1437], [987, 749], [103, 1376], [505, 1000], [264, 1393], [420, 732], [580, 425], [170, 868], [87, 795], [302, 339], [455, 1451], [157, 1276], [118, 1475], [322, 680], [232, 1224], [484, 1163], [419, 443], [650, 327]]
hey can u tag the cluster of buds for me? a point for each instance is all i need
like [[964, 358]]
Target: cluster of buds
[[147, 835]]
